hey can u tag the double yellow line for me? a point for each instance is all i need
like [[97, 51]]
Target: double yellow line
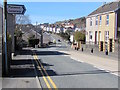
[[40, 67]]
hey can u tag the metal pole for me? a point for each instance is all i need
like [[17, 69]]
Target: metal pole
[[41, 38], [5, 34], [36, 30]]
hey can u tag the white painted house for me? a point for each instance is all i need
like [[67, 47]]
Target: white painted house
[[64, 30], [51, 29], [48, 28], [59, 29], [54, 29]]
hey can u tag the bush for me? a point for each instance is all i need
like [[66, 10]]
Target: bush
[[79, 36], [33, 42], [65, 36]]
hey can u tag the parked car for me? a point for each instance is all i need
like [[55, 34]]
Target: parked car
[[69, 43], [59, 40]]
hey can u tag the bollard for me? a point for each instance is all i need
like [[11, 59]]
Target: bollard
[[77, 49], [82, 49], [106, 52], [92, 50]]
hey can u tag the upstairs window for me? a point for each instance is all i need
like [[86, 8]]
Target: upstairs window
[[107, 20], [90, 21], [96, 20], [106, 36], [100, 20]]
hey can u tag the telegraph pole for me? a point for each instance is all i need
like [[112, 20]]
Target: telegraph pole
[[36, 30], [5, 36], [41, 37]]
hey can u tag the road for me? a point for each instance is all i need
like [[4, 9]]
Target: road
[[57, 70]]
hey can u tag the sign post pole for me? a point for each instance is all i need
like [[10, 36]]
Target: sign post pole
[[8, 9], [5, 36]]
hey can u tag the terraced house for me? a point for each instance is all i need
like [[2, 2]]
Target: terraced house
[[102, 26]]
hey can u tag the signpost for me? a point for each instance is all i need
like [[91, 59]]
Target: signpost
[[15, 9], [10, 9]]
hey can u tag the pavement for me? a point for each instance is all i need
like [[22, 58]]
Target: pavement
[[96, 52], [23, 74]]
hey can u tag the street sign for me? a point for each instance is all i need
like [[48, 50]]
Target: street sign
[[15, 9]]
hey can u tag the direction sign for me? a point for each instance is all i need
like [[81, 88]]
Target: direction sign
[[15, 9]]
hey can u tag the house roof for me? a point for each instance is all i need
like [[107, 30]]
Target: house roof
[[105, 8]]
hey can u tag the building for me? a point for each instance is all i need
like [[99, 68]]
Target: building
[[51, 29], [65, 29], [59, 29], [101, 27], [68, 25], [54, 29], [48, 28]]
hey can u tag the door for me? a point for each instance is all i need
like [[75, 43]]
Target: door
[[95, 37], [110, 45]]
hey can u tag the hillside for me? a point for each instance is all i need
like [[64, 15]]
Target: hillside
[[79, 22]]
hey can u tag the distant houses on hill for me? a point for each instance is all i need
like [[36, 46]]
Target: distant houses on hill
[[77, 25]]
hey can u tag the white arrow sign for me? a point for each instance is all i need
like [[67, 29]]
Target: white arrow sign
[[15, 9]]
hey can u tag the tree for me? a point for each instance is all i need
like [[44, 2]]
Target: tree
[[79, 36], [23, 19]]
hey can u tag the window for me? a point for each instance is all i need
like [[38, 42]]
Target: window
[[106, 36], [90, 21], [107, 20], [100, 20], [90, 35], [96, 20]]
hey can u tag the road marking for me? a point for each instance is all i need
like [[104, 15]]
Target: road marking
[[77, 59], [43, 76], [108, 71], [49, 78]]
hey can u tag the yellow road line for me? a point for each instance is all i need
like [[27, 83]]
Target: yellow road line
[[49, 78], [44, 78]]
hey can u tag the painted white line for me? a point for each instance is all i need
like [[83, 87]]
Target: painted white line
[[77, 60], [106, 70], [115, 74]]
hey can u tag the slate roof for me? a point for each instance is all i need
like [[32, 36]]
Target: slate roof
[[105, 8]]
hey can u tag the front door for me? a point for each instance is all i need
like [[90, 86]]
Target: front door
[[95, 37], [110, 45]]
